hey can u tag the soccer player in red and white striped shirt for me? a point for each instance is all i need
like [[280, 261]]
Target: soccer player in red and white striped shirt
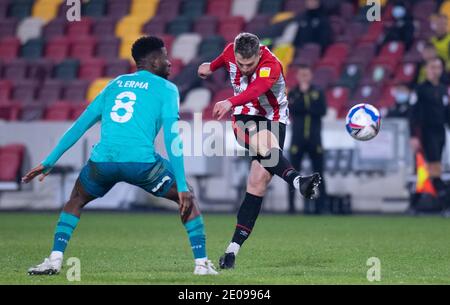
[[260, 114]]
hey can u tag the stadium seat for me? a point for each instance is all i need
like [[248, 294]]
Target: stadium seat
[[60, 111], [29, 28], [125, 46], [337, 97], [67, 70], [143, 9], [96, 87], [285, 53], [179, 25], [156, 26], [196, 100], [118, 8], [79, 28], [46, 10], [177, 65], [104, 27], [393, 49], [24, 90], [55, 28], [270, 7], [424, 9], [168, 9], [206, 25], [309, 54], [366, 94], [325, 76], [108, 47], [373, 33], [11, 158], [116, 67], [9, 112], [193, 9], [94, 8], [168, 41], [50, 91], [222, 95], [15, 69], [20, 9], [40, 69], [91, 69], [219, 8], [8, 28], [3, 9], [32, 112], [295, 6], [282, 16], [9, 48], [185, 46], [75, 91], [387, 99], [33, 49], [405, 73], [230, 27], [289, 33], [129, 26], [211, 46], [257, 23], [244, 8], [5, 90], [77, 110], [82, 47], [291, 77], [57, 48], [350, 76]]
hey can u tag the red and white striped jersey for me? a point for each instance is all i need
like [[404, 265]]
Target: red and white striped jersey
[[264, 93]]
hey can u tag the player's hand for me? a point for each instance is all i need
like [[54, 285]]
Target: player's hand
[[186, 203], [204, 70], [38, 170], [221, 108], [415, 144]]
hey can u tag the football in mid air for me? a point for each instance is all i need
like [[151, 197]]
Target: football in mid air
[[363, 122]]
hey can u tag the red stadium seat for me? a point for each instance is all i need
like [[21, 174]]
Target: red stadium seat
[[15, 70], [11, 157], [50, 91], [229, 27], [25, 90], [9, 48], [77, 110], [5, 90], [206, 26], [222, 95], [373, 33], [393, 49], [337, 97], [336, 52], [83, 47], [387, 98], [405, 73], [177, 65], [291, 77], [57, 49], [60, 111], [91, 69], [219, 8], [80, 28], [9, 112]]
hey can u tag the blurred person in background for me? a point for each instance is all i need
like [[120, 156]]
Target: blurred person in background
[[314, 26], [441, 39], [402, 28], [428, 52], [307, 105], [429, 114], [400, 109]]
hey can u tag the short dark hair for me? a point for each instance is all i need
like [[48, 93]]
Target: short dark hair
[[304, 67], [246, 44], [144, 46]]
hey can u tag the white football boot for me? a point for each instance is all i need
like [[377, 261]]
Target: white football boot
[[205, 268], [51, 265]]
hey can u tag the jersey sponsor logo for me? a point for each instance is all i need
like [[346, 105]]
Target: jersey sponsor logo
[[158, 186], [264, 72]]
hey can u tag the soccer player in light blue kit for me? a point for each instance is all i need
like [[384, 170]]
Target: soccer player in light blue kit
[[132, 109]]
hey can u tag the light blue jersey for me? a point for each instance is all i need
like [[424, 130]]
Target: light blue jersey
[[132, 109]]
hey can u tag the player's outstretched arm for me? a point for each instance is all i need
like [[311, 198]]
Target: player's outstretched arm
[[88, 118]]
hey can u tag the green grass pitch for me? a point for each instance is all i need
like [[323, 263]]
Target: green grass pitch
[[149, 248]]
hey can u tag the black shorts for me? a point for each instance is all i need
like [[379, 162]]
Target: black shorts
[[433, 142], [245, 126]]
